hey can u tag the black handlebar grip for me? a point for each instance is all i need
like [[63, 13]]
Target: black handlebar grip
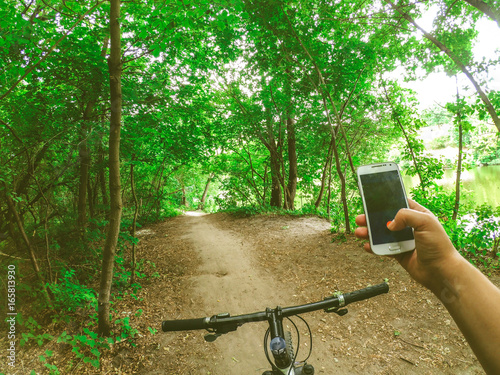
[[184, 324], [365, 293]]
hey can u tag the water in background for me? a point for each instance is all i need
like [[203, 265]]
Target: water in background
[[481, 185]]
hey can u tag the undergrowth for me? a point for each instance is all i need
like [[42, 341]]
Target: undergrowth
[[475, 233], [68, 327]]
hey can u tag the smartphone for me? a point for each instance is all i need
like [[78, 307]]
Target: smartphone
[[383, 195]]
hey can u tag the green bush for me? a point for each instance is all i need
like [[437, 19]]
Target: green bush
[[436, 199], [477, 236], [69, 294]]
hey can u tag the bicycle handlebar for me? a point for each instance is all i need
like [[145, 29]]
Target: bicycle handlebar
[[183, 324], [226, 323], [366, 293]]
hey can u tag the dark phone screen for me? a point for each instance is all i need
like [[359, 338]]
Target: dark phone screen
[[384, 196]]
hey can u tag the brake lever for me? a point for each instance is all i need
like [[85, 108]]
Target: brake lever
[[222, 327], [338, 311]]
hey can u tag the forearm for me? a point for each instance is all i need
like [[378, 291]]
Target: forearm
[[474, 303]]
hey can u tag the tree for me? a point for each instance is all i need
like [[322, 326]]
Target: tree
[[461, 111], [490, 11], [115, 89], [460, 64]]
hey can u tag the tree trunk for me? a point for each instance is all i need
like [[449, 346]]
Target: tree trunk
[[329, 195], [272, 146], [410, 148], [84, 156], [323, 176], [183, 198], [251, 180], [159, 195], [292, 163], [12, 233], [457, 61], [459, 172], [134, 222], [102, 184], [493, 13], [47, 244], [12, 209], [276, 195], [459, 162], [205, 192], [115, 70], [265, 186], [91, 200], [343, 193]]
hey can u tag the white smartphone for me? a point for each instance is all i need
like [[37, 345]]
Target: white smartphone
[[383, 195]]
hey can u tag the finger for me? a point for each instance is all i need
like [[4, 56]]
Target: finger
[[409, 218], [361, 232], [367, 248], [361, 220]]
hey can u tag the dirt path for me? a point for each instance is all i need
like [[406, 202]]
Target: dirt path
[[231, 281], [195, 266], [221, 263]]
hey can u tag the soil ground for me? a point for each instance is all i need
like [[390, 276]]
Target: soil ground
[[209, 264]]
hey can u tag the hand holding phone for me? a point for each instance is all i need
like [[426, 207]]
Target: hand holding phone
[[472, 300], [383, 195]]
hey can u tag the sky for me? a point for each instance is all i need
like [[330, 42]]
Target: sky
[[439, 88]]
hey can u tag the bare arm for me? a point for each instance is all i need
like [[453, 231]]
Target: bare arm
[[471, 299]]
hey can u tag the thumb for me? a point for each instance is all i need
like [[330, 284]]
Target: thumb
[[408, 218]]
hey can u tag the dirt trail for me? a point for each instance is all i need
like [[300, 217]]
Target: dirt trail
[[221, 263], [231, 281], [195, 266]]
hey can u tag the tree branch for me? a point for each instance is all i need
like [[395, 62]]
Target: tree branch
[[489, 107]]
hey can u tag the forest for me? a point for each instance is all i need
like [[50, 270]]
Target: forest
[[117, 114]]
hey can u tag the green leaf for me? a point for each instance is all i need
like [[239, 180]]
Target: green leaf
[[221, 25], [156, 52], [90, 333]]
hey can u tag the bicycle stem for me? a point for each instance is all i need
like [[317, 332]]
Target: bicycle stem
[[278, 346], [275, 320]]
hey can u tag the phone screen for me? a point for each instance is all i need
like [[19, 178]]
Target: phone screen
[[384, 197]]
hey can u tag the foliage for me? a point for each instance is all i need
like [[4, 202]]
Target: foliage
[[477, 236], [476, 233], [70, 295], [485, 146]]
